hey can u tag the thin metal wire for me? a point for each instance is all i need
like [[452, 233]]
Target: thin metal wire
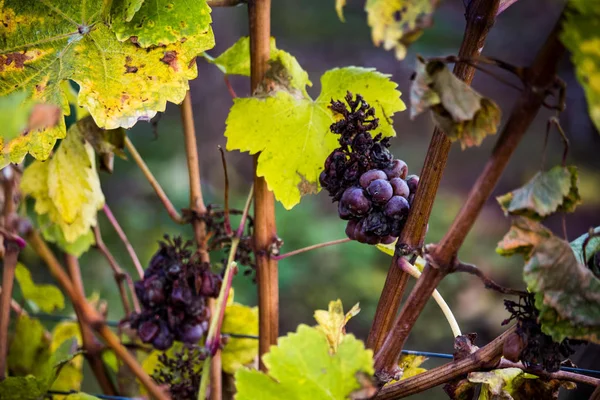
[[60, 318]]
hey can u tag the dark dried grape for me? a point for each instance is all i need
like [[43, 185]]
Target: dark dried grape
[[370, 176], [412, 181], [181, 294], [359, 233], [380, 191], [397, 207], [191, 333], [400, 187], [376, 224], [148, 330], [343, 212], [388, 239], [154, 290], [381, 155], [354, 199], [398, 169], [350, 226]]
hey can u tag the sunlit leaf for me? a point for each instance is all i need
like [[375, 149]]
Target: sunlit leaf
[[398, 23], [47, 298], [292, 133], [581, 35], [161, 22], [411, 365], [301, 366], [546, 193], [339, 9], [333, 322], [461, 112], [45, 43], [499, 383], [237, 352]]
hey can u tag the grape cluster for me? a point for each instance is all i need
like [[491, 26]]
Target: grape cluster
[[173, 295], [373, 189]]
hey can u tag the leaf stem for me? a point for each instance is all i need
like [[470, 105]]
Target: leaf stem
[[121, 277], [130, 250], [265, 232], [91, 316], [93, 349], [488, 282], [442, 258], [173, 213], [480, 16], [309, 248], [558, 375]]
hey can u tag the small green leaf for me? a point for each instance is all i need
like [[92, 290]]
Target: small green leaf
[[292, 134], [238, 352], [302, 367], [398, 23], [546, 193], [130, 7], [47, 298], [333, 322], [581, 35], [499, 383], [592, 247], [161, 22]]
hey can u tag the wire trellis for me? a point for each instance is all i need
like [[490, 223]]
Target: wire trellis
[[61, 318]]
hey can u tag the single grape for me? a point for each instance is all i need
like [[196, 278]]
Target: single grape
[[380, 191], [354, 199], [397, 208], [359, 234], [400, 187], [154, 290], [148, 330], [396, 226], [164, 339], [343, 211], [211, 284], [388, 239], [411, 198], [191, 333], [370, 176], [412, 181], [350, 226], [181, 294], [376, 224], [398, 169]]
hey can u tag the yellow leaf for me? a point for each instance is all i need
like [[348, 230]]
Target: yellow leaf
[[339, 8], [239, 319], [333, 322]]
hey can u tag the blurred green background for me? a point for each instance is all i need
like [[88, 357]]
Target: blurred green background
[[311, 31]]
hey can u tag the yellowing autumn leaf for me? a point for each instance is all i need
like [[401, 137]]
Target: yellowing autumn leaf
[[581, 35], [291, 131], [66, 190], [302, 367], [237, 352], [461, 112], [45, 43], [333, 322], [398, 23]]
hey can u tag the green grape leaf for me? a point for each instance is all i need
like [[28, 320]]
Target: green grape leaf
[[546, 193], [398, 23], [46, 43], [22, 388], [591, 248], [24, 123], [53, 233], [301, 366], [567, 293], [461, 112], [238, 352], [581, 35], [332, 322], [67, 189], [29, 346], [130, 7], [47, 298], [292, 134], [161, 22], [339, 9], [71, 374], [500, 383], [236, 61]]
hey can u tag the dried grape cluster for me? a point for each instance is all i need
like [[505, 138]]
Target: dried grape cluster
[[173, 295], [537, 348], [181, 372], [373, 189]]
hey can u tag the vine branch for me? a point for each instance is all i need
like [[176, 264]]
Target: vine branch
[[442, 259], [130, 250], [309, 248], [480, 16], [558, 375]]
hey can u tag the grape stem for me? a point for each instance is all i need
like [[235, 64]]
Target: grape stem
[[415, 273], [130, 250], [480, 16], [309, 248], [91, 316], [488, 282], [173, 213], [558, 375], [442, 259], [213, 338], [227, 221], [121, 277]]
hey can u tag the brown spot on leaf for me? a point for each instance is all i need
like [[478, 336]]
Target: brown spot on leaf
[[43, 116], [170, 58], [306, 187], [124, 98], [17, 59]]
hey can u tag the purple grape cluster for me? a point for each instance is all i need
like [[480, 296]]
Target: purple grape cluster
[[373, 189], [173, 295]]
